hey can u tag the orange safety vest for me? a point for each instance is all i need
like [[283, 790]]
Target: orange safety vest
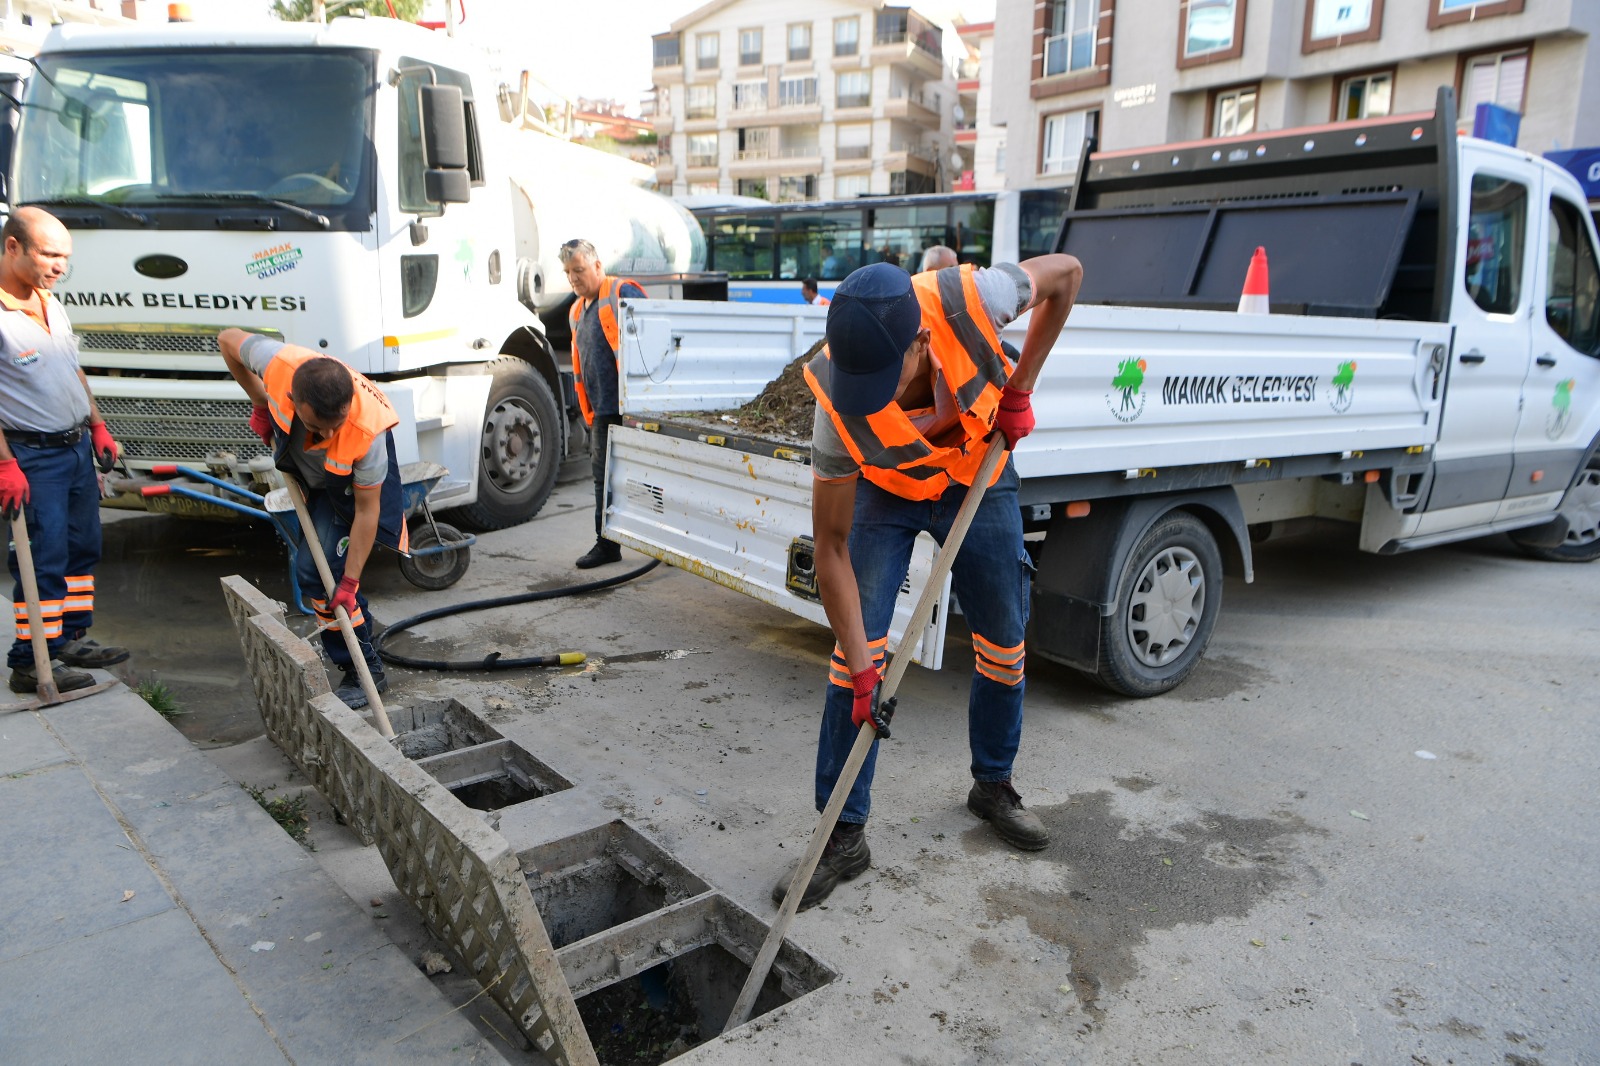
[[610, 298], [891, 452]]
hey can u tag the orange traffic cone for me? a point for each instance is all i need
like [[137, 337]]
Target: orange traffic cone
[[1253, 301]]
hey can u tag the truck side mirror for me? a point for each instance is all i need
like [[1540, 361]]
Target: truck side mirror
[[444, 145]]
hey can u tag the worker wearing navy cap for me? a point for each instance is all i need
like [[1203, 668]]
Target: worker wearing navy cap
[[912, 381]]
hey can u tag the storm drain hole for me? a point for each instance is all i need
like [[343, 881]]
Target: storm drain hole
[[492, 776], [602, 879]]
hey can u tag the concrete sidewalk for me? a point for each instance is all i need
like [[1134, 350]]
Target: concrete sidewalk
[[152, 912]]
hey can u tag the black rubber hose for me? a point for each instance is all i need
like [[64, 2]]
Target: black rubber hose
[[494, 661]]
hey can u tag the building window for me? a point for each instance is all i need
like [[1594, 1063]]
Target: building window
[[906, 183], [756, 187], [1233, 111], [797, 92], [1493, 78], [749, 96], [797, 187], [667, 50], [1000, 158], [1331, 23], [702, 149], [1063, 139], [703, 188], [1069, 42], [854, 89], [846, 36], [1449, 12], [855, 142], [705, 51], [701, 102], [1212, 30], [749, 48], [799, 42], [1364, 96], [848, 185]]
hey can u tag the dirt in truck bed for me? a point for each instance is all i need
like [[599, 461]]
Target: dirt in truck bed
[[784, 408]]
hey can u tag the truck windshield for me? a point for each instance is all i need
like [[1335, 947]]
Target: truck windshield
[[186, 131]]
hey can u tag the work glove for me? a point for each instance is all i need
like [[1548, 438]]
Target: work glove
[[1014, 419], [866, 707], [106, 450], [261, 423], [345, 596], [13, 488]]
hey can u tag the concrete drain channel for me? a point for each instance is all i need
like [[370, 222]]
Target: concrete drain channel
[[600, 944]]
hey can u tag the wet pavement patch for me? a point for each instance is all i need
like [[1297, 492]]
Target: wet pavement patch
[[1125, 880]]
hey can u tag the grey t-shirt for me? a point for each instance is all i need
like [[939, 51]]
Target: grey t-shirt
[[39, 387], [368, 471], [1006, 291], [599, 361]]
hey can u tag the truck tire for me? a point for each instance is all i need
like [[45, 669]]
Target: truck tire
[[1168, 595], [520, 450], [1580, 507]]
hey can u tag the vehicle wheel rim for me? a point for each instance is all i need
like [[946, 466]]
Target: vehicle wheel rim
[[1581, 509], [512, 445], [1165, 608]]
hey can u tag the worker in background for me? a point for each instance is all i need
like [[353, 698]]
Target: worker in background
[[595, 318], [329, 427], [808, 293], [51, 434], [912, 382], [937, 257]]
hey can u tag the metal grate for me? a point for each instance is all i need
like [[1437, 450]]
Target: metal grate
[[156, 430], [127, 341]]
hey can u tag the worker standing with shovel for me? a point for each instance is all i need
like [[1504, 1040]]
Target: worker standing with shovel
[[329, 427], [913, 380], [51, 435]]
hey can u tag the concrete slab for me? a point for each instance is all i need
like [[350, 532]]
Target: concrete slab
[[25, 743], [149, 991]]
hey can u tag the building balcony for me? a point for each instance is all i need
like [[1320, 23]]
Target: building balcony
[[692, 114], [853, 102], [853, 164], [672, 74], [701, 125], [796, 114], [896, 49], [968, 86], [661, 122], [967, 136], [702, 161], [912, 157], [912, 107], [797, 159]]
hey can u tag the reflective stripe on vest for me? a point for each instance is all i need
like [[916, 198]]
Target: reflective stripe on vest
[[890, 450], [610, 312]]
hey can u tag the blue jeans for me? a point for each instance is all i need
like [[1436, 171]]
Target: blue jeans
[[333, 530], [63, 516], [992, 576]]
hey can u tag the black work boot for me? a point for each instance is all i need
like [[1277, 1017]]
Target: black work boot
[[998, 803], [602, 553], [350, 690], [26, 679], [843, 857]]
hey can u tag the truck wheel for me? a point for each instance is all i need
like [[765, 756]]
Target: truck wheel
[[1581, 508], [520, 451], [1168, 596], [440, 570]]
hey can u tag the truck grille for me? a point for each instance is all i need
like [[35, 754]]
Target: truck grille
[[93, 340], [180, 431]]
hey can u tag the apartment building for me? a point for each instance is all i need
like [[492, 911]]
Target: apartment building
[[831, 100], [1143, 72]]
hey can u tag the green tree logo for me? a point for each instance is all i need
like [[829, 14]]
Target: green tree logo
[[1130, 376], [1560, 409], [1344, 381]]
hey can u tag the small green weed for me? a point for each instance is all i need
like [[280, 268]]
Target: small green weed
[[288, 811], [158, 696]]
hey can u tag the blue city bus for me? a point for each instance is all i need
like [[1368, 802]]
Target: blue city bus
[[766, 250]]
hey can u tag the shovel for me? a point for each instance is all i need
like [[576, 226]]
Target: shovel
[[292, 488], [865, 737], [49, 695]]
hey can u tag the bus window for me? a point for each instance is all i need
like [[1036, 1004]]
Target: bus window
[[1039, 216], [741, 246], [973, 227], [820, 244], [899, 234]]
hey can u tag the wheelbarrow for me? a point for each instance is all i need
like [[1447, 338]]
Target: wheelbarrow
[[438, 556]]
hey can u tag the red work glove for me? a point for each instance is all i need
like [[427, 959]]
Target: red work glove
[[1014, 419], [345, 596], [106, 450], [865, 684], [261, 423], [13, 488]]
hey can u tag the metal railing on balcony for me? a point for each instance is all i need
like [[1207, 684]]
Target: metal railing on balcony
[[700, 111], [798, 99], [799, 151], [749, 100], [703, 159], [748, 154], [853, 151], [854, 100]]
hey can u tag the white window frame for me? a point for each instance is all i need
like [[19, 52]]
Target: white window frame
[[798, 91], [854, 22], [848, 186], [1061, 140], [1061, 44], [749, 96], [865, 76], [1236, 96], [703, 159], [1232, 7], [691, 109], [748, 37], [1469, 101], [1340, 18], [707, 58], [1369, 80], [803, 29]]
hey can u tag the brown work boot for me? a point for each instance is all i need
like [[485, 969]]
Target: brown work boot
[[843, 857], [25, 679], [998, 803]]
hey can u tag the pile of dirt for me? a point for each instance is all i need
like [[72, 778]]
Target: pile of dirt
[[785, 406]]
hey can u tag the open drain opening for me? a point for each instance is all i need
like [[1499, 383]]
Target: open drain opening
[[601, 879], [671, 1008], [493, 776]]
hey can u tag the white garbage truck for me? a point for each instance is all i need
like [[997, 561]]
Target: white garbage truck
[[366, 188], [1430, 372]]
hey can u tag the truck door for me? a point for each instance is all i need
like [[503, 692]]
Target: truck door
[[1561, 400], [1494, 294]]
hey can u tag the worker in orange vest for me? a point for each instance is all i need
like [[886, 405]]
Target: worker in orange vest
[[913, 380], [595, 319], [329, 427]]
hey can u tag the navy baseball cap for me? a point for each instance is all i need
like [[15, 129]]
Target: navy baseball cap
[[873, 319]]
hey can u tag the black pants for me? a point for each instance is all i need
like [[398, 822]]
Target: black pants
[[597, 463]]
